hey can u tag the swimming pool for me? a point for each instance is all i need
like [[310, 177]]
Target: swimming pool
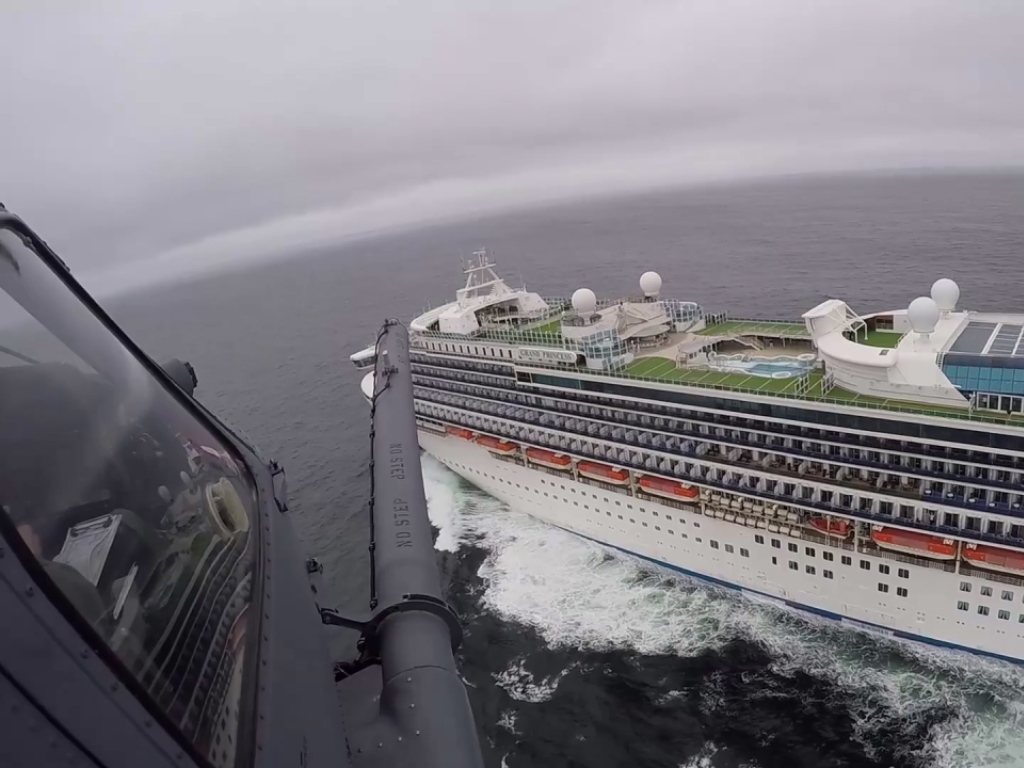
[[779, 367]]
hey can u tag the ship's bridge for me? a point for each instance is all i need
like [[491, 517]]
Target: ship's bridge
[[485, 302]]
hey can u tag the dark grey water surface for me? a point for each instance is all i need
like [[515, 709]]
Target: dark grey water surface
[[271, 346]]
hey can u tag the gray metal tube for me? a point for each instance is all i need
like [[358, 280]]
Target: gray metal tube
[[423, 695]]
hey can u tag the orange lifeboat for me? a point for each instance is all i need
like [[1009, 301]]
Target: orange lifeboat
[[840, 528], [495, 445], [669, 489], [465, 434], [912, 543], [548, 458], [994, 558], [603, 472]]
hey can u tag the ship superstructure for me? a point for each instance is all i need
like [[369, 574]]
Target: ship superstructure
[[867, 468]]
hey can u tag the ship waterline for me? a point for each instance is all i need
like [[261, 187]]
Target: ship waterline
[[865, 468]]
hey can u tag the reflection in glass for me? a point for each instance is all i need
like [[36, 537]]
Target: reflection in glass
[[133, 508]]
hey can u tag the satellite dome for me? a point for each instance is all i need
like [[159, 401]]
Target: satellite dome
[[650, 284], [584, 301], [923, 314], [945, 293]]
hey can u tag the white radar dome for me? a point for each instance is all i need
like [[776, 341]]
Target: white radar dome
[[584, 301], [923, 314], [650, 284], [945, 293]]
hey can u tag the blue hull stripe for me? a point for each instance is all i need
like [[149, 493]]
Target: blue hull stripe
[[888, 631]]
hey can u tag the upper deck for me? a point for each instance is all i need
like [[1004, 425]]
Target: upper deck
[[929, 359]]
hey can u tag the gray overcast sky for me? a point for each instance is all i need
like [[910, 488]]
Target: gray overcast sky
[[142, 139]]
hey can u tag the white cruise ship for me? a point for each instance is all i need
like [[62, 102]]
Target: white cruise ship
[[865, 468]]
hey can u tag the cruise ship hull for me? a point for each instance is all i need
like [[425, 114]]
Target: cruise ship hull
[[688, 539]]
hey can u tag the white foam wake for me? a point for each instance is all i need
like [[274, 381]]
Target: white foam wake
[[576, 595]]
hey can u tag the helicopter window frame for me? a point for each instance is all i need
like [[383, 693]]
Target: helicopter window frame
[[262, 489]]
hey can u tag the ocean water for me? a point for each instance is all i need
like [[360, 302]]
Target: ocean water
[[573, 656]]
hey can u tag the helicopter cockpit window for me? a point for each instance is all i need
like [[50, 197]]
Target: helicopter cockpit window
[[134, 509]]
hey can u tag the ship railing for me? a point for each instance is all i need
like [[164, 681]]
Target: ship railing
[[508, 458], [827, 507], [623, 489], [809, 534], [668, 502], [774, 444], [1002, 578], [888, 406], [562, 473], [949, 566], [849, 486]]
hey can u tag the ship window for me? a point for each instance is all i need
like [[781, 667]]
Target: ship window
[[586, 506], [1007, 594], [671, 532], [809, 551], [901, 591], [809, 569], [904, 573], [619, 516], [669, 518], [629, 506], [827, 556], [608, 514], [654, 512], [729, 548], [684, 535], [846, 560], [714, 545], [696, 525], [618, 503], [1004, 615], [883, 587], [793, 566], [776, 543], [986, 591], [657, 527], [827, 574], [775, 561], [865, 565], [700, 540], [644, 524], [965, 586], [1020, 618], [963, 606], [134, 518], [793, 547], [758, 539], [983, 610], [632, 521], [744, 552], [882, 568]]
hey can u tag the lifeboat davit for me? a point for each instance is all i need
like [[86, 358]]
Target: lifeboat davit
[[994, 558], [669, 489], [603, 472], [495, 445], [548, 458], [840, 528], [465, 434], [912, 543]]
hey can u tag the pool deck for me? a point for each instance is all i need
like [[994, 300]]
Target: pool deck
[[653, 368], [658, 365]]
